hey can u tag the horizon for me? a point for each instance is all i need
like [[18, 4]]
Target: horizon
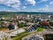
[[25, 11]]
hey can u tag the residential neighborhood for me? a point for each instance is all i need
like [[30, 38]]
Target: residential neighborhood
[[23, 25]]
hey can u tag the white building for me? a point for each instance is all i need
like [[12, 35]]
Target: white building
[[28, 16]]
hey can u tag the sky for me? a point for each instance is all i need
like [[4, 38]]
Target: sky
[[26, 5]]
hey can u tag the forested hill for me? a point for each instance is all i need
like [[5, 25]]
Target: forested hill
[[6, 13]]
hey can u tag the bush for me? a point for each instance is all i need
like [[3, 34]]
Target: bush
[[20, 25], [51, 23], [39, 29]]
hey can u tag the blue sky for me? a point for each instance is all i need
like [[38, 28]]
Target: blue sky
[[26, 5]]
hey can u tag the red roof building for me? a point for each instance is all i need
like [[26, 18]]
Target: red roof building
[[45, 23]]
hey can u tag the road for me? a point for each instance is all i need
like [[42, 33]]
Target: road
[[45, 31]]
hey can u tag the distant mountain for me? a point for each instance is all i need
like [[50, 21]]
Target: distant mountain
[[5, 12]]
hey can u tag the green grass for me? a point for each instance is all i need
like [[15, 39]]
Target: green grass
[[39, 29], [1, 28], [21, 35], [20, 25]]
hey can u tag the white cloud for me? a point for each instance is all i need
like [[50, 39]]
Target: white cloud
[[24, 7], [2, 1], [16, 4], [44, 0], [8, 9], [12, 3], [33, 2], [45, 9], [51, 2]]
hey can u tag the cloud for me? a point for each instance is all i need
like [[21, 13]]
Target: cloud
[[44, 0], [16, 3], [45, 9], [12, 3], [51, 2], [8, 9], [24, 7], [2, 1], [33, 2]]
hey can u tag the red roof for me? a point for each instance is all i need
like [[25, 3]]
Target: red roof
[[44, 23]]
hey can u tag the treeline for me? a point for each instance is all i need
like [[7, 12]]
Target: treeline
[[7, 13]]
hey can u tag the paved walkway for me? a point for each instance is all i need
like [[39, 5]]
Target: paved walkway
[[45, 31], [10, 33]]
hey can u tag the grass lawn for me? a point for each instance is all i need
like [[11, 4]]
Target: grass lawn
[[39, 29], [20, 36], [20, 25], [1, 28]]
